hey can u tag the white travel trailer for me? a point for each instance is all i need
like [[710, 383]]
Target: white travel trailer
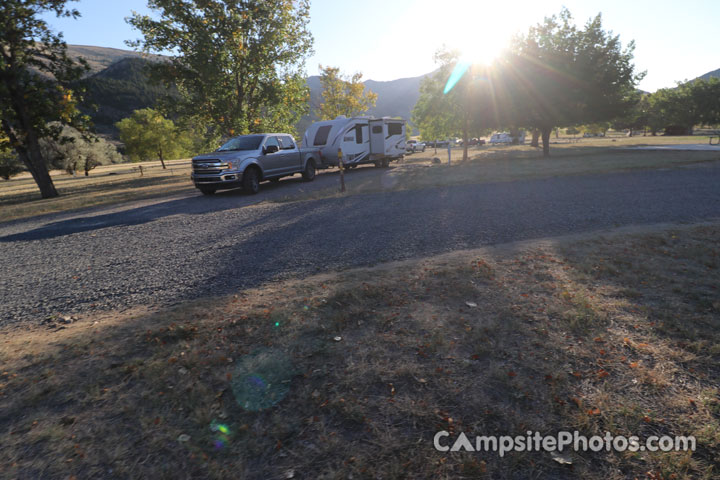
[[361, 140]]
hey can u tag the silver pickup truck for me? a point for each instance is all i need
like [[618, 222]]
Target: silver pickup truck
[[247, 160]]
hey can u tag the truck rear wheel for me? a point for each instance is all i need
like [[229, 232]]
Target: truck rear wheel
[[309, 173], [251, 180]]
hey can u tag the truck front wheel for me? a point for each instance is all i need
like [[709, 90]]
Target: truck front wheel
[[309, 173], [251, 180]]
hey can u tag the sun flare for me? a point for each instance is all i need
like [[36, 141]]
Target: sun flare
[[478, 31]]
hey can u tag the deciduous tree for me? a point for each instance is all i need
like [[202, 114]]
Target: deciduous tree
[[148, 135], [35, 78], [237, 65], [466, 108], [343, 95], [558, 75]]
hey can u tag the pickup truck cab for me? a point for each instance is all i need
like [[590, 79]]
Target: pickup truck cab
[[247, 160]]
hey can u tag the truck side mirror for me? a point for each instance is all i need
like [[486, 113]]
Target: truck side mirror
[[271, 149]]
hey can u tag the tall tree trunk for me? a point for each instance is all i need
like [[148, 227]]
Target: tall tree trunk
[[37, 168], [465, 138], [31, 156], [535, 138], [160, 156], [546, 140]]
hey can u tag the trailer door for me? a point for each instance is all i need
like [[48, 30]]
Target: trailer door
[[377, 137]]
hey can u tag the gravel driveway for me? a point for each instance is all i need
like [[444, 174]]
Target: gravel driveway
[[165, 251]]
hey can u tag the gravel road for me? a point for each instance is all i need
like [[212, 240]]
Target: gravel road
[[165, 251]]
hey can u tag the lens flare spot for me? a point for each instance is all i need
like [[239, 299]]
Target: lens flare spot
[[262, 379], [460, 68]]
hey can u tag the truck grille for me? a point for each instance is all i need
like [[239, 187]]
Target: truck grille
[[208, 166]]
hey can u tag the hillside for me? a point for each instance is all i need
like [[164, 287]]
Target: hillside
[[709, 75], [99, 58], [115, 92], [117, 85]]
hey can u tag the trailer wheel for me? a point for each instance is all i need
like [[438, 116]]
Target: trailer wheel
[[309, 174], [251, 180]]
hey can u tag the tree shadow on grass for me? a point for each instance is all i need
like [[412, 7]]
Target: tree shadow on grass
[[560, 337]]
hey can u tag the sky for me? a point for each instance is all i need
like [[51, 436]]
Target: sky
[[390, 39]]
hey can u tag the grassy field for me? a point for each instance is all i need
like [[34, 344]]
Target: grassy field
[[106, 185], [350, 375]]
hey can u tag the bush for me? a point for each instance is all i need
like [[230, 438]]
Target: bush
[[74, 151], [10, 164]]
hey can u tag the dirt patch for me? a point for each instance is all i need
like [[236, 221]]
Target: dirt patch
[[352, 374]]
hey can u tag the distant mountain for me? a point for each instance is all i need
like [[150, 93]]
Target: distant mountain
[[709, 75], [117, 85], [99, 58], [396, 98]]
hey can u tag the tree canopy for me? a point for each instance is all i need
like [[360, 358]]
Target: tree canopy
[[679, 109], [558, 75], [237, 66], [35, 78], [148, 135], [343, 95], [466, 108]]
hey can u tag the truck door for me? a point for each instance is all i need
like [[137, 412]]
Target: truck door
[[272, 163], [290, 155]]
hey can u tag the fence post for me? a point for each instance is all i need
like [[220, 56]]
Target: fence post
[[341, 166]]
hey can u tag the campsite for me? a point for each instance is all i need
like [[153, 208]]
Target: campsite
[[529, 290]]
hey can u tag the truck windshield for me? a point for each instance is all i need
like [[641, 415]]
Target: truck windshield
[[246, 142]]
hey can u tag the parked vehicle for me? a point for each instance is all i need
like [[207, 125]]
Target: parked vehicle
[[473, 142], [247, 160], [361, 140], [505, 138], [413, 146]]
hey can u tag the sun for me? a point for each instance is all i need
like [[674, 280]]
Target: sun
[[478, 32]]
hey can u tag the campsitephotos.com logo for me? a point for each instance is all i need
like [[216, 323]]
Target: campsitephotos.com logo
[[565, 440]]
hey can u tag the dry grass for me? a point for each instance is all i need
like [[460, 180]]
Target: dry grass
[[488, 164], [350, 375], [19, 197]]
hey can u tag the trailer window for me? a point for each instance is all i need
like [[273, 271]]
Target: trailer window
[[394, 129], [377, 129], [358, 134], [322, 135]]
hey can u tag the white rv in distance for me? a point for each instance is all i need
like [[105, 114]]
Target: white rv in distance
[[361, 140]]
